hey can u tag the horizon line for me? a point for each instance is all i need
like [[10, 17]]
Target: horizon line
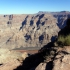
[[31, 13]]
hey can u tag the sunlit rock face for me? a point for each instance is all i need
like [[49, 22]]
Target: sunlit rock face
[[32, 30], [11, 59]]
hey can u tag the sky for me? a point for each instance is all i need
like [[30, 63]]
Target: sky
[[33, 6]]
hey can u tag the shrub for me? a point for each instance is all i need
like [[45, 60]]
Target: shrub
[[63, 41], [67, 41]]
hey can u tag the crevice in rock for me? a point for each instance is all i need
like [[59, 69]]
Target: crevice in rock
[[31, 23], [23, 23], [1, 64], [49, 65]]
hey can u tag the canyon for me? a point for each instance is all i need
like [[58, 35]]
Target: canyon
[[26, 41], [19, 31], [30, 30]]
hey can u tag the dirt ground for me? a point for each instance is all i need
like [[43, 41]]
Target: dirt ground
[[28, 51]]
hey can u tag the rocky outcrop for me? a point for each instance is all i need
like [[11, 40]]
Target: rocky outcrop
[[11, 59], [60, 61]]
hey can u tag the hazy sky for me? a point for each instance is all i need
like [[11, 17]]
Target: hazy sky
[[32, 6]]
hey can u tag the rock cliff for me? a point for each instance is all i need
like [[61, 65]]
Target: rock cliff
[[32, 30]]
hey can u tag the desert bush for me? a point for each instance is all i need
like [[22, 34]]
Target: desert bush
[[67, 41], [63, 41]]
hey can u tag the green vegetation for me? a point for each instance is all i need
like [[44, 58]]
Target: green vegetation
[[63, 41]]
